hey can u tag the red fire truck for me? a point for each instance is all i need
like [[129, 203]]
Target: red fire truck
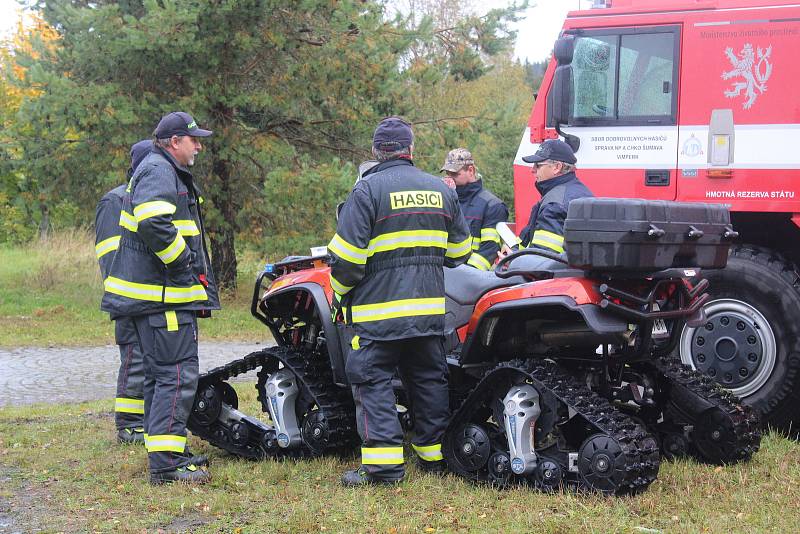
[[696, 100]]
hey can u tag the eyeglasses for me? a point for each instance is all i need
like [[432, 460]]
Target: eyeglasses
[[541, 164]]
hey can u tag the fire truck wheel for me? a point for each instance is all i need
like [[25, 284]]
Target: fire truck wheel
[[751, 341]]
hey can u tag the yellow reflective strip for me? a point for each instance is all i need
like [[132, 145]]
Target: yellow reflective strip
[[133, 290], [490, 234], [346, 251], [107, 245], [339, 287], [547, 244], [126, 405], [407, 239], [165, 443], [146, 210], [549, 235], [543, 238], [171, 253], [456, 250], [172, 321], [127, 221], [381, 455], [429, 453], [354, 343], [178, 295], [186, 227], [398, 308], [479, 262]]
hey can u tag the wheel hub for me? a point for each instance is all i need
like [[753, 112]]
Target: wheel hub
[[473, 448], [736, 347]]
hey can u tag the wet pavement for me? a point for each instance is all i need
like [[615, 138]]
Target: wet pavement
[[55, 375]]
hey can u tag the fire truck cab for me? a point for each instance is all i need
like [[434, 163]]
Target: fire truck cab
[[696, 100]]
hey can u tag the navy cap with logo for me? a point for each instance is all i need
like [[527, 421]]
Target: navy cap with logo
[[392, 134], [553, 149], [178, 123], [138, 152]]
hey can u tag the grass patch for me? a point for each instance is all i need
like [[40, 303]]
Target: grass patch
[[51, 291], [64, 472]]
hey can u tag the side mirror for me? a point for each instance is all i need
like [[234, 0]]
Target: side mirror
[[564, 49], [562, 94]]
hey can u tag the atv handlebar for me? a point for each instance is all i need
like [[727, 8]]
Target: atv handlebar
[[503, 263]]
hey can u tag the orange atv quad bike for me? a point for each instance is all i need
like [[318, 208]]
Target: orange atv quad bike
[[560, 366]]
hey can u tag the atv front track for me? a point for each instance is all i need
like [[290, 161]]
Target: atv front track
[[326, 409]]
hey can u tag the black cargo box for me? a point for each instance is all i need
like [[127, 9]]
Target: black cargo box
[[612, 234]]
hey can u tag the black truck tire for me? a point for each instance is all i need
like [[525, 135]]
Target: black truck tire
[[751, 341]]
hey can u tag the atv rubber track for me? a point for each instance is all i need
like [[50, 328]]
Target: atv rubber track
[[640, 448], [710, 395], [315, 379]]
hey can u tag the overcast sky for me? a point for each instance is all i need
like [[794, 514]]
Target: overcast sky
[[536, 33]]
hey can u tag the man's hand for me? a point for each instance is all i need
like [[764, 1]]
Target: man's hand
[[503, 252]]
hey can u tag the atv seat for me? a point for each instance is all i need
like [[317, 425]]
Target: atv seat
[[465, 285]]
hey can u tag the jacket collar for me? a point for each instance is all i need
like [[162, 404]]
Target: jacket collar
[[547, 185], [467, 191], [387, 165], [183, 172]]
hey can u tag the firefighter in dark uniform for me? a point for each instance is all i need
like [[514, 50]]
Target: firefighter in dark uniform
[[129, 402], [396, 231], [482, 210], [554, 168], [161, 277]]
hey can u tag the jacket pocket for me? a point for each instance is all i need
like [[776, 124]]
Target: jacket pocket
[[359, 365]]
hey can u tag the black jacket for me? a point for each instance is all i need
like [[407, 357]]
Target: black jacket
[[106, 243], [396, 231], [546, 225], [162, 259], [482, 211]]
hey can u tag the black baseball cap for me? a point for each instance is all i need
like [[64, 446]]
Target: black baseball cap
[[392, 134], [178, 123], [554, 149]]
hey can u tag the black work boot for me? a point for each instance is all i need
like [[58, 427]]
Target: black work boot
[[438, 467], [199, 460], [359, 477], [191, 474], [131, 436]]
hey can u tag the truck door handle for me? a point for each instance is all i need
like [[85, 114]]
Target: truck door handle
[[657, 177]]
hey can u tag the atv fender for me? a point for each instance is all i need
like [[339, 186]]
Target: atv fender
[[596, 319], [317, 293]]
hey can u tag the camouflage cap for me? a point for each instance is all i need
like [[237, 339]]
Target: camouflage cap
[[456, 160]]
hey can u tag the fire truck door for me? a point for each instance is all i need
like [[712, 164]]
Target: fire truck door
[[624, 110]]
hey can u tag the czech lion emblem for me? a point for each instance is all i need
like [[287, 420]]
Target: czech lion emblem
[[755, 74]]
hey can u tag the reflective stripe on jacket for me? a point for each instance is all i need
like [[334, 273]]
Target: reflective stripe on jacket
[[396, 231], [546, 225], [107, 238], [161, 252], [482, 211]]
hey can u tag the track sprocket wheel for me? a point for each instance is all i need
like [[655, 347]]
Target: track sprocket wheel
[[601, 464], [472, 448]]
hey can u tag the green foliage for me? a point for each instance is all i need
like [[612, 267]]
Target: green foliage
[[291, 93], [15, 228]]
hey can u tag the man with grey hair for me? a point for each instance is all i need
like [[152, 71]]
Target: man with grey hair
[[161, 278], [397, 229], [554, 169]]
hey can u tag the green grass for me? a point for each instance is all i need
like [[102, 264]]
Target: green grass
[[51, 294], [65, 473]]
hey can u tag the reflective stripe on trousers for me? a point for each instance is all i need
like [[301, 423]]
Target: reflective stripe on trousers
[[429, 453], [126, 405], [381, 455]]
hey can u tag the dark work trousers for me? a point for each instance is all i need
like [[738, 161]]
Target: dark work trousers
[[371, 365], [169, 347], [129, 403]]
